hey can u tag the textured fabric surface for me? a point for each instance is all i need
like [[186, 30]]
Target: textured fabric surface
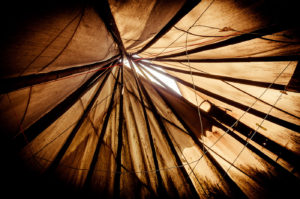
[[87, 108]]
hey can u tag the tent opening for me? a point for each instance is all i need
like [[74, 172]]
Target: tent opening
[[154, 76]]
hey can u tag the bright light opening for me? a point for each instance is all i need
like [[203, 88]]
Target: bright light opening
[[126, 63], [165, 79], [170, 82]]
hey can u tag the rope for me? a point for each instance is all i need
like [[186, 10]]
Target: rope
[[185, 164], [47, 46], [248, 140], [20, 125], [65, 130], [67, 44], [250, 33], [243, 113], [247, 93]]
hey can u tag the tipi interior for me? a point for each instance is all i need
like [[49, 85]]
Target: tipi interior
[[150, 98]]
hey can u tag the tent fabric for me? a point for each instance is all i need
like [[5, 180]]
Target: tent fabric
[[84, 110], [57, 37]]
